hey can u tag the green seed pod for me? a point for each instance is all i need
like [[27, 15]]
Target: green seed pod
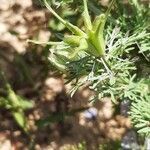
[[72, 40], [95, 36]]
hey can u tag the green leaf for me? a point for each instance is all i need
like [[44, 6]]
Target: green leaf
[[113, 97], [20, 119], [25, 103], [140, 125], [144, 130], [12, 97]]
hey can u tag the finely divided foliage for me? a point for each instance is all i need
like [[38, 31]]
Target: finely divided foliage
[[106, 54]]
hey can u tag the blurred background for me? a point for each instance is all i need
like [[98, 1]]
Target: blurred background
[[72, 123]]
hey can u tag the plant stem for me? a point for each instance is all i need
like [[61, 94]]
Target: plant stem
[[42, 43], [109, 9], [53, 12]]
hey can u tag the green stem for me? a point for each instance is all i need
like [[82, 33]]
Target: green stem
[[53, 12], [71, 27], [105, 63], [44, 43], [109, 9]]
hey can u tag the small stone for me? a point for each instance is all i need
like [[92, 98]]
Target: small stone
[[55, 84], [6, 145], [125, 107], [129, 141], [17, 133], [90, 113]]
